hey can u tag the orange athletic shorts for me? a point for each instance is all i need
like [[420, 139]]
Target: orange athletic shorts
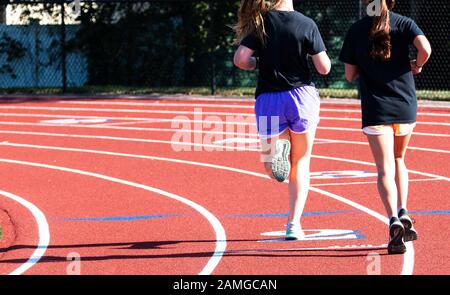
[[395, 129]]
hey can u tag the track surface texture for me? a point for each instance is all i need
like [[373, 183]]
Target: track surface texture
[[107, 183]]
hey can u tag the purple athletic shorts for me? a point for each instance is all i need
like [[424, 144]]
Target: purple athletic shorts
[[296, 109]]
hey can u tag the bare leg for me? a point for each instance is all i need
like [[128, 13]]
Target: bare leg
[[299, 179], [382, 147], [401, 175]]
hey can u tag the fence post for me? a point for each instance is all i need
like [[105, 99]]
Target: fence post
[[214, 79], [212, 45], [361, 8], [63, 48]]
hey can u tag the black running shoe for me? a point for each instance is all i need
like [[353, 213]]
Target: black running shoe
[[410, 231], [396, 233]]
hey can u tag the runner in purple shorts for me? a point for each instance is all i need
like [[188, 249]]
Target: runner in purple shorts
[[278, 40]]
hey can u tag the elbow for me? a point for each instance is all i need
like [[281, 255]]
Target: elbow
[[322, 63], [324, 69], [425, 52], [350, 77], [238, 62], [424, 49], [428, 52]]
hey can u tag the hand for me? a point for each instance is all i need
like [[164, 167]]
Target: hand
[[416, 70]]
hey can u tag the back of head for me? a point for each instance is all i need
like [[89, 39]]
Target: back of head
[[251, 18], [380, 32]]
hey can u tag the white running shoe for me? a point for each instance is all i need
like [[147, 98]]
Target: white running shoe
[[294, 232]]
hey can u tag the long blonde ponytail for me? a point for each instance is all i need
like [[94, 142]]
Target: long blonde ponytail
[[250, 19]]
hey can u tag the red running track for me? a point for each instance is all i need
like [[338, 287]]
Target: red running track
[[102, 180]]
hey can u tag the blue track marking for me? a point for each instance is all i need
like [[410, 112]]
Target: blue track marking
[[432, 212], [286, 214], [257, 215], [124, 218], [143, 217]]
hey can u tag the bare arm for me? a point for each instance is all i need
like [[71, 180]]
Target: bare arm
[[322, 63], [243, 59], [351, 72], [423, 55]]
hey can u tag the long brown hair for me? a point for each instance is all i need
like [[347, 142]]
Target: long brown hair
[[250, 19], [380, 32]]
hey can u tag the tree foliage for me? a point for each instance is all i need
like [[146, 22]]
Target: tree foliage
[[189, 43]]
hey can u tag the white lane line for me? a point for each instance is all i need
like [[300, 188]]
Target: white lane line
[[346, 247], [235, 120], [208, 146], [408, 260], [250, 134], [186, 119], [359, 120], [366, 143], [186, 112], [43, 232], [113, 126], [359, 112], [369, 182], [214, 146], [158, 104], [434, 176], [103, 110], [360, 131], [437, 177], [237, 105], [126, 123], [408, 257], [101, 126], [215, 223], [130, 156]]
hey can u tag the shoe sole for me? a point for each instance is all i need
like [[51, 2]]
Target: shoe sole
[[396, 244], [410, 233], [281, 165], [291, 238]]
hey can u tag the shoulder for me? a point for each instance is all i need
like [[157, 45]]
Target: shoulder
[[401, 20], [364, 23], [360, 27], [305, 20]]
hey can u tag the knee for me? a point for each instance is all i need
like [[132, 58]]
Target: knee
[[300, 161], [300, 168], [386, 174], [399, 158]]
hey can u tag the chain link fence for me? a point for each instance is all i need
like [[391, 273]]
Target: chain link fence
[[175, 44]]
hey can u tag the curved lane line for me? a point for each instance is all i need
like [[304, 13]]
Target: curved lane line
[[408, 264], [217, 226], [43, 232]]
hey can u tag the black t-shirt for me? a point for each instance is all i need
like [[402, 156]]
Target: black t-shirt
[[387, 88], [291, 36]]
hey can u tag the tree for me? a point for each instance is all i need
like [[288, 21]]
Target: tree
[[2, 14]]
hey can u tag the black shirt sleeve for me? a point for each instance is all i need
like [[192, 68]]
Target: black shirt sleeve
[[314, 41], [252, 41], [348, 54], [410, 30]]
